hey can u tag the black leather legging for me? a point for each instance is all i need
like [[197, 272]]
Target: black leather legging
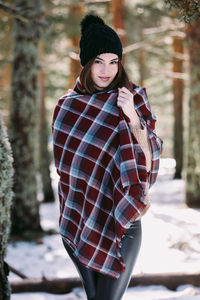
[[99, 286]]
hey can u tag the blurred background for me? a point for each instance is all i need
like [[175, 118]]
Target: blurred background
[[39, 61]]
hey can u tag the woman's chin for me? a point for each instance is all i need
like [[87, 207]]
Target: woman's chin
[[103, 85]]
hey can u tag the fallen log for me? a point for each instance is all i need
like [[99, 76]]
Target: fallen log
[[48, 285], [65, 285], [169, 280]]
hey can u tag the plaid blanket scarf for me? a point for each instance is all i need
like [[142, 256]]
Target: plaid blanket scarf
[[102, 173]]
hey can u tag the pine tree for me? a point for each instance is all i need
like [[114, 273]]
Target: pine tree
[[193, 159], [6, 181], [24, 117]]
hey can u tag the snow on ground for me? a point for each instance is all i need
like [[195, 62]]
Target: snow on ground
[[185, 292], [170, 244]]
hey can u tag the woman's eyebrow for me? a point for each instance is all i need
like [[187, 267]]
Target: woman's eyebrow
[[103, 59]]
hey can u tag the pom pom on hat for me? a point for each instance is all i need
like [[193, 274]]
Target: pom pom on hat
[[88, 20], [97, 38]]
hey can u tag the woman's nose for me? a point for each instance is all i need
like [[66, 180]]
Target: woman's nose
[[104, 68]]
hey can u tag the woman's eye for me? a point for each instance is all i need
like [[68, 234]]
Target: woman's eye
[[99, 62]]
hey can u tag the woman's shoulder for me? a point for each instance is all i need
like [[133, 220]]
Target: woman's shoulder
[[68, 93]]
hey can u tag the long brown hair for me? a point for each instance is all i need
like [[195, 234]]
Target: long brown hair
[[121, 79]]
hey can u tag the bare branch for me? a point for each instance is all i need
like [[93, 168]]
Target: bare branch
[[96, 1], [150, 41], [163, 28], [73, 55], [141, 44], [134, 46], [162, 52], [5, 60], [17, 272], [19, 15], [170, 74]]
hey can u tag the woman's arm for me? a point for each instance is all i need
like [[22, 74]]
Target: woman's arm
[[140, 133], [142, 123], [136, 107], [125, 101]]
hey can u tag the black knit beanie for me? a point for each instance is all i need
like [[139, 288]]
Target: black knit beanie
[[97, 38]]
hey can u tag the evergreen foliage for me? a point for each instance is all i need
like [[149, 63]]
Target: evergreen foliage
[[6, 182], [189, 10]]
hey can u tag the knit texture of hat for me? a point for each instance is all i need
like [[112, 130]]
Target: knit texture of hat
[[97, 38]]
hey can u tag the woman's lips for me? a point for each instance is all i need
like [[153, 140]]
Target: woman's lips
[[104, 78]]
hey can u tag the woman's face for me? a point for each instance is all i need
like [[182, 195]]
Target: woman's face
[[104, 69]]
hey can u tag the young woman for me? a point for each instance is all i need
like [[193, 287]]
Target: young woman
[[107, 156]]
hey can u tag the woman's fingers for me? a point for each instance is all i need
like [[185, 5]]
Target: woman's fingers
[[125, 93], [124, 89], [125, 100], [124, 97]]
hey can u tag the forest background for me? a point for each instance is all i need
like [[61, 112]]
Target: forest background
[[39, 59]]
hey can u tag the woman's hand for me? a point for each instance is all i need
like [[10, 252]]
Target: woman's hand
[[125, 100], [148, 203], [145, 209]]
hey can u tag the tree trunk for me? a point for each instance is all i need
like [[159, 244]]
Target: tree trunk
[[193, 163], [142, 61], [178, 89], [118, 13], [44, 157], [6, 180], [24, 118], [76, 12], [75, 66], [5, 62]]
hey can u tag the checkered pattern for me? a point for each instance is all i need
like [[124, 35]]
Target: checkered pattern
[[102, 173]]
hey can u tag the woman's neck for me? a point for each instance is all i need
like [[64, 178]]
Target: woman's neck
[[98, 88]]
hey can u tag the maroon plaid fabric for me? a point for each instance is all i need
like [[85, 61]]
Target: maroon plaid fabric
[[102, 173]]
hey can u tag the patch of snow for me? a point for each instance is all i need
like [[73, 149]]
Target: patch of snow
[[170, 243]]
